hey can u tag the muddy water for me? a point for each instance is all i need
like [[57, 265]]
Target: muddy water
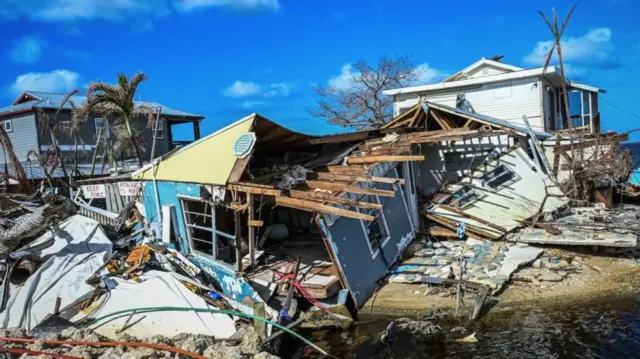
[[609, 330]]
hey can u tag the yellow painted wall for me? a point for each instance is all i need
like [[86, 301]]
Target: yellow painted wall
[[210, 160]]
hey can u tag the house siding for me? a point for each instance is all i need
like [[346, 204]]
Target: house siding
[[24, 136], [509, 100], [89, 136], [362, 270]]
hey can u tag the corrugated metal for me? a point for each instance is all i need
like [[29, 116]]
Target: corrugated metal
[[209, 160], [53, 100]]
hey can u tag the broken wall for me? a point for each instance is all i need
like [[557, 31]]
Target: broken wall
[[363, 264], [501, 193], [449, 160]]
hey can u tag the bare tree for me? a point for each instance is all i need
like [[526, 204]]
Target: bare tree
[[359, 103], [21, 175], [557, 31]]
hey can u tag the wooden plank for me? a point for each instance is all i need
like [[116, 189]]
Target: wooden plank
[[253, 189], [239, 207], [343, 187], [238, 240], [472, 217], [311, 206], [468, 123], [357, 178], [252, 231], [342, 169], [255, 223], [375, 159], [322, 197], [238, 169], [390, 150], [346, 137]]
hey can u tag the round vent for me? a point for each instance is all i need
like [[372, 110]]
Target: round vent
[[244, 144]]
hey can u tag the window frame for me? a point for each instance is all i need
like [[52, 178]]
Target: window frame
[[4, 124], [364, 224], [473, 191], [160, 135], [508, 183], [213, 230], [106, 132]]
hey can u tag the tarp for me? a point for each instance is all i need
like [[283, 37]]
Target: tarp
[[158, 289], [78, 248]]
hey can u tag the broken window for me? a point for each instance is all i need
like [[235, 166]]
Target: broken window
[[499, 177], [211, 229], [376, 231], [462, 197]]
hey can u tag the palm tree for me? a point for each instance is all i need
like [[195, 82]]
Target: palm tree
[[71, 128], [557, 32], [116, 100]]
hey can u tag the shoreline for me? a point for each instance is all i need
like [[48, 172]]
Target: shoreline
[[598, 279]]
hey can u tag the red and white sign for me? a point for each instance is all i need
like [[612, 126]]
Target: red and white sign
[[94, 191], [129, 188]]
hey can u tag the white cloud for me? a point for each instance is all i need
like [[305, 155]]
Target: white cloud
[[344, 80], [242, 5], [427, 74], [54, 81], [69, 10], [277, 90], [593, 47], [242, 89], [252, 89], [27, 50]]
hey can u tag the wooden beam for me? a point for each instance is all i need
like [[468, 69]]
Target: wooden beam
[[468, 123], [342, 169], [390, 150], [323, 197], [472, 217], [440, 121], [251, 188], [347, 137], [255, 223], [240, 207], [310, 206], [343, 187], [375, 159], [357, 178], [238, 241], [252, 231]]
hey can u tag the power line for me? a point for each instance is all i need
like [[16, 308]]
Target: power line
[[618, 108]]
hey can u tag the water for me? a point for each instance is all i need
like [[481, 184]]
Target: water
[[610, 330]]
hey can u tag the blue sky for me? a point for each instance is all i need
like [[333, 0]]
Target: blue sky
[[227, 58]]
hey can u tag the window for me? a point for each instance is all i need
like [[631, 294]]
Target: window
[[160, 134], [499, 177], [376, 230], [582, 107], [103, 124], [462, 197], [8, 126], [211, 229]]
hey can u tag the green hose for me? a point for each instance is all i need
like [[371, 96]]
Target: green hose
[[207, 310]]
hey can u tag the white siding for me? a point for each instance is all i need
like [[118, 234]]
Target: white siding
[[24, 136], [486, 70], [508, 100]]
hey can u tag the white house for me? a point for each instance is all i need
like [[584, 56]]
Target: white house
[[508, 93]]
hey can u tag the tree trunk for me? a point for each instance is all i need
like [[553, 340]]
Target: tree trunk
[[132, 138], [54, 142], [95, 152]]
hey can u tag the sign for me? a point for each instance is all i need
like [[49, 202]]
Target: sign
[[94, 191], [130, 189]]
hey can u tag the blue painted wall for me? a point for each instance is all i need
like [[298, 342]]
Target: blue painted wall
[[232, 285], [349, 241]]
